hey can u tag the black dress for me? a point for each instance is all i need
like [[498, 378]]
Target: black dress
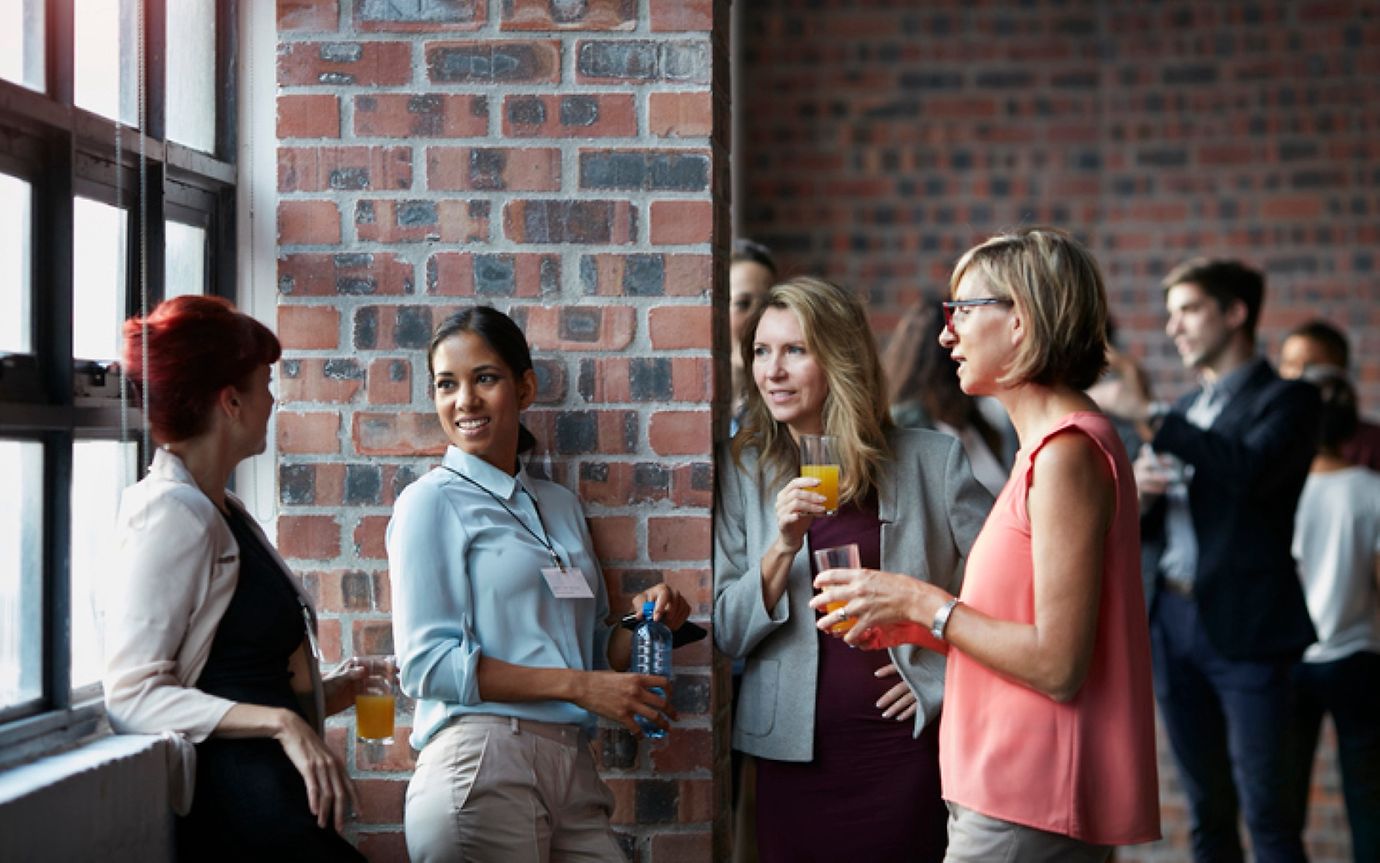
[[250, 802]]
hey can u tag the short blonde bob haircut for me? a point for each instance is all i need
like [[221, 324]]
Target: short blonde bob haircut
[[1058, 291], [856, 408]]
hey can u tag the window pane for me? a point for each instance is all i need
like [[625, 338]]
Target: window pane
[[98, 279], [100, 471], [16, 204], [21, 42], [106, 48], [191, 110], [21, 572], [184, 260]]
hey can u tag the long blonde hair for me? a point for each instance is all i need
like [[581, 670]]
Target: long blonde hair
[[856, 409]]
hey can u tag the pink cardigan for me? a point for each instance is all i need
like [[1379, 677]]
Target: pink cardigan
[[1085, 768]]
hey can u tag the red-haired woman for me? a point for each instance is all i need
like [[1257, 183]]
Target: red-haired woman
[[207, 634]]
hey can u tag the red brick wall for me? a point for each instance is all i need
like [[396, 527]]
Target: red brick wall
[[561, 162], [882, 139]]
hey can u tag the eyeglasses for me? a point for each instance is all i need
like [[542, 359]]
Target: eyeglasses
[[951, 305]]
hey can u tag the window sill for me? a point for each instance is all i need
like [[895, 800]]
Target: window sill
[[109, 794], [51, 770], [34, 737]]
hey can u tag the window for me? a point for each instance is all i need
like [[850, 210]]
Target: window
[[117, 174]]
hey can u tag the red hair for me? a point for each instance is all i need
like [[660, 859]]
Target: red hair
[[197, 346]]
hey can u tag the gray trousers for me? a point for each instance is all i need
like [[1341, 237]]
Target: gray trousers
[[976, 838]]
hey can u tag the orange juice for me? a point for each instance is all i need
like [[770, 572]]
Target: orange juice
[[828, 476], [374, 717], [831, 607]]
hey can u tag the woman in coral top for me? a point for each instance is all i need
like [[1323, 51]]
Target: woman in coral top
[[1047, 749]]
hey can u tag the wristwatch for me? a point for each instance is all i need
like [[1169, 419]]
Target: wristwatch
[[941, 619]]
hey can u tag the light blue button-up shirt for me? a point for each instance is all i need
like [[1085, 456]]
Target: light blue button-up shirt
[[466, 581]]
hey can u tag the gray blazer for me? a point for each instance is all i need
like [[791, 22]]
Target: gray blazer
[[931, 485]]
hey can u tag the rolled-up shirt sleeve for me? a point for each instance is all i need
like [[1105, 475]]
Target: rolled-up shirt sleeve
[[433, 611]]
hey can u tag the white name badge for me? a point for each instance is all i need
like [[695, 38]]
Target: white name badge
[[568, 583]]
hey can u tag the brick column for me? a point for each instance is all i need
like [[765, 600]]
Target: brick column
[[566, 165]]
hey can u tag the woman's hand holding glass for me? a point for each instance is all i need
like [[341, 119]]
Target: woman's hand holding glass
[[797, 506], [343, 683], [887, 608]]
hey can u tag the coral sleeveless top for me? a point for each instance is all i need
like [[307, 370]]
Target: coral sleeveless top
[[1086, 768]]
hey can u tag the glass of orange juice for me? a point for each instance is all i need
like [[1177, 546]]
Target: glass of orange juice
[[840, 557], [819, 459], [376, 700]]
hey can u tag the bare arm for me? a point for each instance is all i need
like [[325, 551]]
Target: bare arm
[[614, 695], [330, 794], [1070, 505]]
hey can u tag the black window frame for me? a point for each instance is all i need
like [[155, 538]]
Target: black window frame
[[62, 150]]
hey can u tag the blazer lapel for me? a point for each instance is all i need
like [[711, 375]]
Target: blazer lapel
[[888, 494], [1242, 404]]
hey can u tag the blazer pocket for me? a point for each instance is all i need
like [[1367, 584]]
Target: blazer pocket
[[757, 698]]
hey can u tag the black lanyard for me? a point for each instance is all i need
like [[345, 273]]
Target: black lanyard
[[546, 543]]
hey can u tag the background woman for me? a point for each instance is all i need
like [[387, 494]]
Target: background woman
[[207, 634], [925, 394], [828, 724], [500, 625], [1048, 742], [1337, 545]]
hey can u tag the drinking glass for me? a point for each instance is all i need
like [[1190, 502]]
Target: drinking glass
[[819, 459], [376, 700], [840, 557]]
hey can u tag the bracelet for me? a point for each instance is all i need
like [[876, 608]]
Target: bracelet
[[941, 619]]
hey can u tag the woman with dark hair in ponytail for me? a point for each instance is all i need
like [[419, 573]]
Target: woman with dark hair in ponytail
[[500, 623]]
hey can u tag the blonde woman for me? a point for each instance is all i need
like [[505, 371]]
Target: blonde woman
[[1049, 739], [823, 721]]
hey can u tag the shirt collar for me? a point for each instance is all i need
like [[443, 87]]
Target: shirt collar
[[1230, 383], [488, 477]]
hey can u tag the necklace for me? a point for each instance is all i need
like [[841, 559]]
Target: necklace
[[544, 540]]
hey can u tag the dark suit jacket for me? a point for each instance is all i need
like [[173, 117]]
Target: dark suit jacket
[[1249, 469]]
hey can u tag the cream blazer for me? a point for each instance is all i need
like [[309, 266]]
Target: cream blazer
[[174, 571]]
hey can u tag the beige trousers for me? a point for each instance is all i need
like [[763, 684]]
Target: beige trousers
[[490, 789], [976, 838]]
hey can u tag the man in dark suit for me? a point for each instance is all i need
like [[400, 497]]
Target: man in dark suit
[[1228, 618]]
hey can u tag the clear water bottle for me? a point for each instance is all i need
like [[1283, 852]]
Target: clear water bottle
[[651, 654]]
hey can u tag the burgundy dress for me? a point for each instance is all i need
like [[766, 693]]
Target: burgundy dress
[[872, 790]]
